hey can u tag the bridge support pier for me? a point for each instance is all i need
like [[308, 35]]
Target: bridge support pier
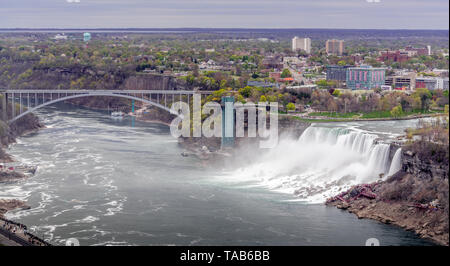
[[4, 107], [228, 122]]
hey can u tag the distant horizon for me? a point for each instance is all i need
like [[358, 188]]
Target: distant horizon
[[261, 14], [216, 28]]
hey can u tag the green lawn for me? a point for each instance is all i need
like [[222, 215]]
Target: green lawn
[[387, 114], [369, 115], [332, 116], [319, 120], [335, 115]]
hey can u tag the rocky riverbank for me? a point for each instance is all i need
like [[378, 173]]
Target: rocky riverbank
[[416, 198], [9, 133], [208, 148], [10, 176], [11, 204]]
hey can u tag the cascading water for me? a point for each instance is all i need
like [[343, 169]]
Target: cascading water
[[396, 164], [322, 163]]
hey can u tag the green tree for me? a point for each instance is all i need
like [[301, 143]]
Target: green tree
[[286, 73], [336, 93], [425, 96], [342, 63], [397, 111], [290, 107], [240, 98], [246, 91], [263, 99]]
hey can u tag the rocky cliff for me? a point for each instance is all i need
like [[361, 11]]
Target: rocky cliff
[[423, 168], [416, 198], [9, 133]]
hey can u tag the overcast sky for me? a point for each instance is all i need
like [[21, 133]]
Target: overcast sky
[[351, 14]]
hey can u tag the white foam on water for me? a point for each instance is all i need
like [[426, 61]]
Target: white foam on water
[[88, 219], [396, 164], [323, 162]]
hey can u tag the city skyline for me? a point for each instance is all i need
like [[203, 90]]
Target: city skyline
[[347, 14]]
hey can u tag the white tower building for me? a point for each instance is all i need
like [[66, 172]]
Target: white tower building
[[303, 44]]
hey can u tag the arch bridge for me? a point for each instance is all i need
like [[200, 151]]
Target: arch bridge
[[30, 100]]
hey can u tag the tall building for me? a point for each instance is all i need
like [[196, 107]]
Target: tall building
[[303, 44], [429, 49], [365, 78], [335, 47], [337, 73]]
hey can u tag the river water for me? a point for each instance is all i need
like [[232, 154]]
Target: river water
[[109, 182]]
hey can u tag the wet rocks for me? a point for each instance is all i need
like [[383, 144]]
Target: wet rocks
[[11, 204], [10, 176]]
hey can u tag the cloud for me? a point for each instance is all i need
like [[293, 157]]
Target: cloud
[[392, 14]]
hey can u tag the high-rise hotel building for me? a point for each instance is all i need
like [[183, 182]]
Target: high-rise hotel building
[[303, 44], [365, 78], [335, 47]]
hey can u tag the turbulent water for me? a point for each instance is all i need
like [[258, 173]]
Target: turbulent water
[[109, 182], [323, 162]]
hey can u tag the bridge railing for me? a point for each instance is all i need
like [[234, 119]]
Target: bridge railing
[[27, 100]]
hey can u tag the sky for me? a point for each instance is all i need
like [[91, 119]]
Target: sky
[[347, 14]]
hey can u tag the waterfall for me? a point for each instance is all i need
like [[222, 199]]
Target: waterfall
[[396, 164], [323, 162]]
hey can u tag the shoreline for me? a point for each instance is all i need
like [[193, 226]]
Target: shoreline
[[371, 209], [7, 205], [324, 119], [368, 201]]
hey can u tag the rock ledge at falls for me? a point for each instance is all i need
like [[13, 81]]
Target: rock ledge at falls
[[416, 198]]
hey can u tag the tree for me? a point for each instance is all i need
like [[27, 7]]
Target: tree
[[397, 111], [240, 98], [262, 99], [425, 96], [286, 73], [331, 105], [290, 107], [246, 91], [342, 63], [336, 93]]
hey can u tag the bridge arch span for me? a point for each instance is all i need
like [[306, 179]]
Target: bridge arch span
[[30, 110]]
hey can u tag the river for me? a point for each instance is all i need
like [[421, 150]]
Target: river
[[109, 182]]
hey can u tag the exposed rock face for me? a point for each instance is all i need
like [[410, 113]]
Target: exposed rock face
[[8, 205], [412, 164], [288, 126], [158, 115], [392, 149], [9, 133], [427, 224], [10, 176], [416, 198], [153, 82]]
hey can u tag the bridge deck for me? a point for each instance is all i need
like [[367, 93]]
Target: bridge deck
[[109, 91]]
